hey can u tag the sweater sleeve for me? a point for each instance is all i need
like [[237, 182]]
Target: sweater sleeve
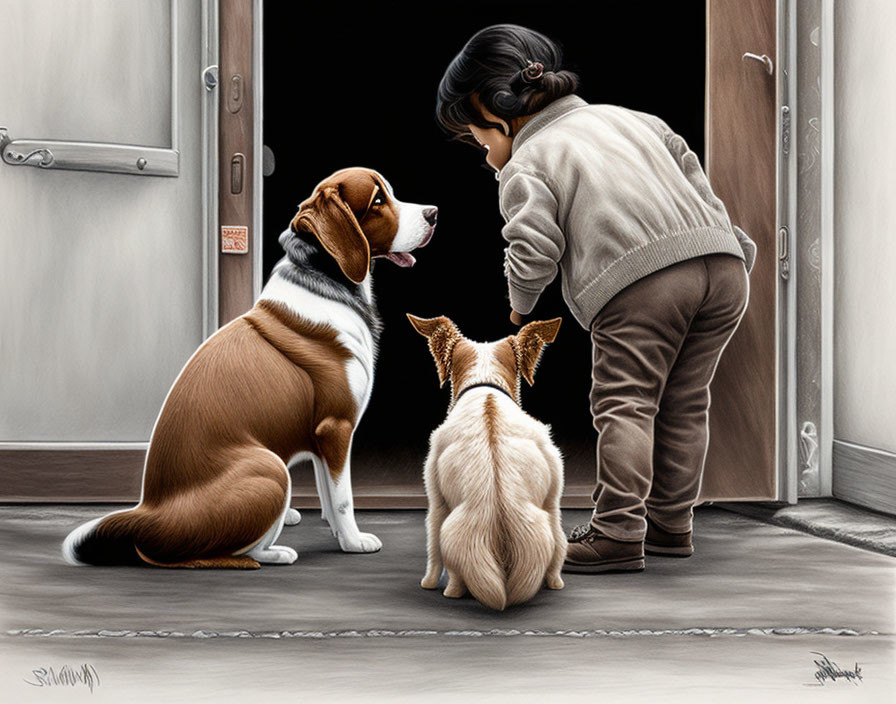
[[535, 240]]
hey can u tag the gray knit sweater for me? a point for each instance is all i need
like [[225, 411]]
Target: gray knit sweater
[[610, 196]]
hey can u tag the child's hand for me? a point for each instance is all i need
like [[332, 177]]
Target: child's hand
[[516, 318]]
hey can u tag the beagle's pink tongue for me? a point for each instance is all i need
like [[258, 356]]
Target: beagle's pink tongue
[[401, 258]]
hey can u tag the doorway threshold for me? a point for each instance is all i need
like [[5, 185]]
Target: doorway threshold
[[827, 518]]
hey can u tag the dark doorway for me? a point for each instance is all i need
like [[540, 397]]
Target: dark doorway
[[353, 84]]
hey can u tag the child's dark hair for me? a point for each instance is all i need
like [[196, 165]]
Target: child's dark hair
[[514, 72]]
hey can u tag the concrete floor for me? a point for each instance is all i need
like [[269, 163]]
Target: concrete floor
[[743, 619]]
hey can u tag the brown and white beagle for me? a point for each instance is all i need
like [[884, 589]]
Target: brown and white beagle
[[288, 380]]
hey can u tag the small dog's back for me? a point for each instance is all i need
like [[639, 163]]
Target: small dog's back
[[493, 476], [496, 479]]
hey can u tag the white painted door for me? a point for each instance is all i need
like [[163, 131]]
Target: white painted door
[[101, 272]]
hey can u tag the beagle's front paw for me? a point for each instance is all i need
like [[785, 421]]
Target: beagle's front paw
[[360, 542], [292, 517]]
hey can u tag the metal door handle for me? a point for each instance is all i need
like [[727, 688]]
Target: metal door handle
[[88, 156], [11, 155], [769, 66]]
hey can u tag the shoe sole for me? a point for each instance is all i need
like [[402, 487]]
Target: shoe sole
[[631, 565], [667, 551]]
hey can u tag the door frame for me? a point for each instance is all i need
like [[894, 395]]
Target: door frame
[[826, 244], [786, 171], [806, 239], [807, 185], [210, 79]]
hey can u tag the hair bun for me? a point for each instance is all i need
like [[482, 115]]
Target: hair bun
[[513, 72], [559, 83]]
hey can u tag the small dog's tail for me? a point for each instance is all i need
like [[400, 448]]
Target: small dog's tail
[[529, 546], [105, 541], [469, 548]]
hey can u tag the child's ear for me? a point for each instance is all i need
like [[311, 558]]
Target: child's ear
[[443, 336], [529, 343]]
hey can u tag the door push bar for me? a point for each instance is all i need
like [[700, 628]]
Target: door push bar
[[89, 156]]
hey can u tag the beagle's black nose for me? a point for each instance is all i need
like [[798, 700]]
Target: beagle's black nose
[[430, 215]]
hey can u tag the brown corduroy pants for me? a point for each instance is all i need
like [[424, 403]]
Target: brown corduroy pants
[[656, 347]]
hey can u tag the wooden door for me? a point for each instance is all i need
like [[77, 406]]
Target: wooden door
[[238, 116], [741, 153]]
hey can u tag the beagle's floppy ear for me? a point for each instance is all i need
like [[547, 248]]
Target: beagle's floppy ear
[[443, 336], [528, 344], [333, 223]]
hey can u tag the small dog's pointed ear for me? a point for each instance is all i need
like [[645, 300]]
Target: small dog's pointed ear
[[529, 343], [443, 336], [334, 224]]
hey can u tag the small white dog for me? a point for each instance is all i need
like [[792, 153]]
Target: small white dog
[[493, 476]]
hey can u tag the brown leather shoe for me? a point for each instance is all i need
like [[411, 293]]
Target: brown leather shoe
[[589, 551], [666, 544]]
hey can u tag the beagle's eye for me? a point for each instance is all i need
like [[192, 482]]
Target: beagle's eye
[[379, 198]]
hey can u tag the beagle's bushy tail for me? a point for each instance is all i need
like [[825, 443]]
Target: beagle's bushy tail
[[106, 541]]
